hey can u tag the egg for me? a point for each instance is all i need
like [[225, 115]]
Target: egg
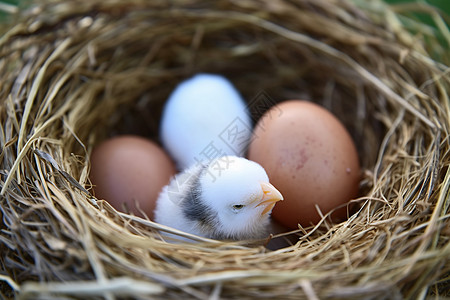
[[129, 172], [205, 117], [310, 157]]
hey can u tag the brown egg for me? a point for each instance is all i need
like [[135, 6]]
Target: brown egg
[[130, 170], [311, 159]]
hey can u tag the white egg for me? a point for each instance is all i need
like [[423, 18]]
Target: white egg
[[204, 118]]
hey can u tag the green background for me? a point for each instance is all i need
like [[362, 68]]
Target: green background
[[443, 5]]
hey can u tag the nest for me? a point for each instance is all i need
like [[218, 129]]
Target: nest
[[76, 72]]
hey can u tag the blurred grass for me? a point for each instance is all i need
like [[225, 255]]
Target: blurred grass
[[428, 18], [414, 13], [7, 7], [444, 5]]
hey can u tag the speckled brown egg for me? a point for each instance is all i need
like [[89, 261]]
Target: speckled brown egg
[[310, 157], [129, 172]]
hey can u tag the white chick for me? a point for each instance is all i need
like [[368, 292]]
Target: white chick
[[228, 198], [204, 116]]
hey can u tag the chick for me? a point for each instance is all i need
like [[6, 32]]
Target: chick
[[226, 198]]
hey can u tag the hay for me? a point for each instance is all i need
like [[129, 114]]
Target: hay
[[75, 72]]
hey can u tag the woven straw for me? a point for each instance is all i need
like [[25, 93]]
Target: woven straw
[[75, 72]]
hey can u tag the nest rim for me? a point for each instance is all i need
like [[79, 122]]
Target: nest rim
[[411, 109]]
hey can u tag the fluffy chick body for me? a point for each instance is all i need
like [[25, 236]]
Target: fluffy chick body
[[233, 204]]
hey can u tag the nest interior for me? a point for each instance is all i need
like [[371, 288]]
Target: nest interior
[[77, 72]]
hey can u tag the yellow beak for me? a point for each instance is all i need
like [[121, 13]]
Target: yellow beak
[[270, 198]]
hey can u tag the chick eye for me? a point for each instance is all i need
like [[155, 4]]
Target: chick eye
[[238, 206]]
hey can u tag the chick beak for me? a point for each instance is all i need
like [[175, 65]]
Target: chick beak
[[270, 197]]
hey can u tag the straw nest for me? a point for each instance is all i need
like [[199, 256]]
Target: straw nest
[[75, 72]]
